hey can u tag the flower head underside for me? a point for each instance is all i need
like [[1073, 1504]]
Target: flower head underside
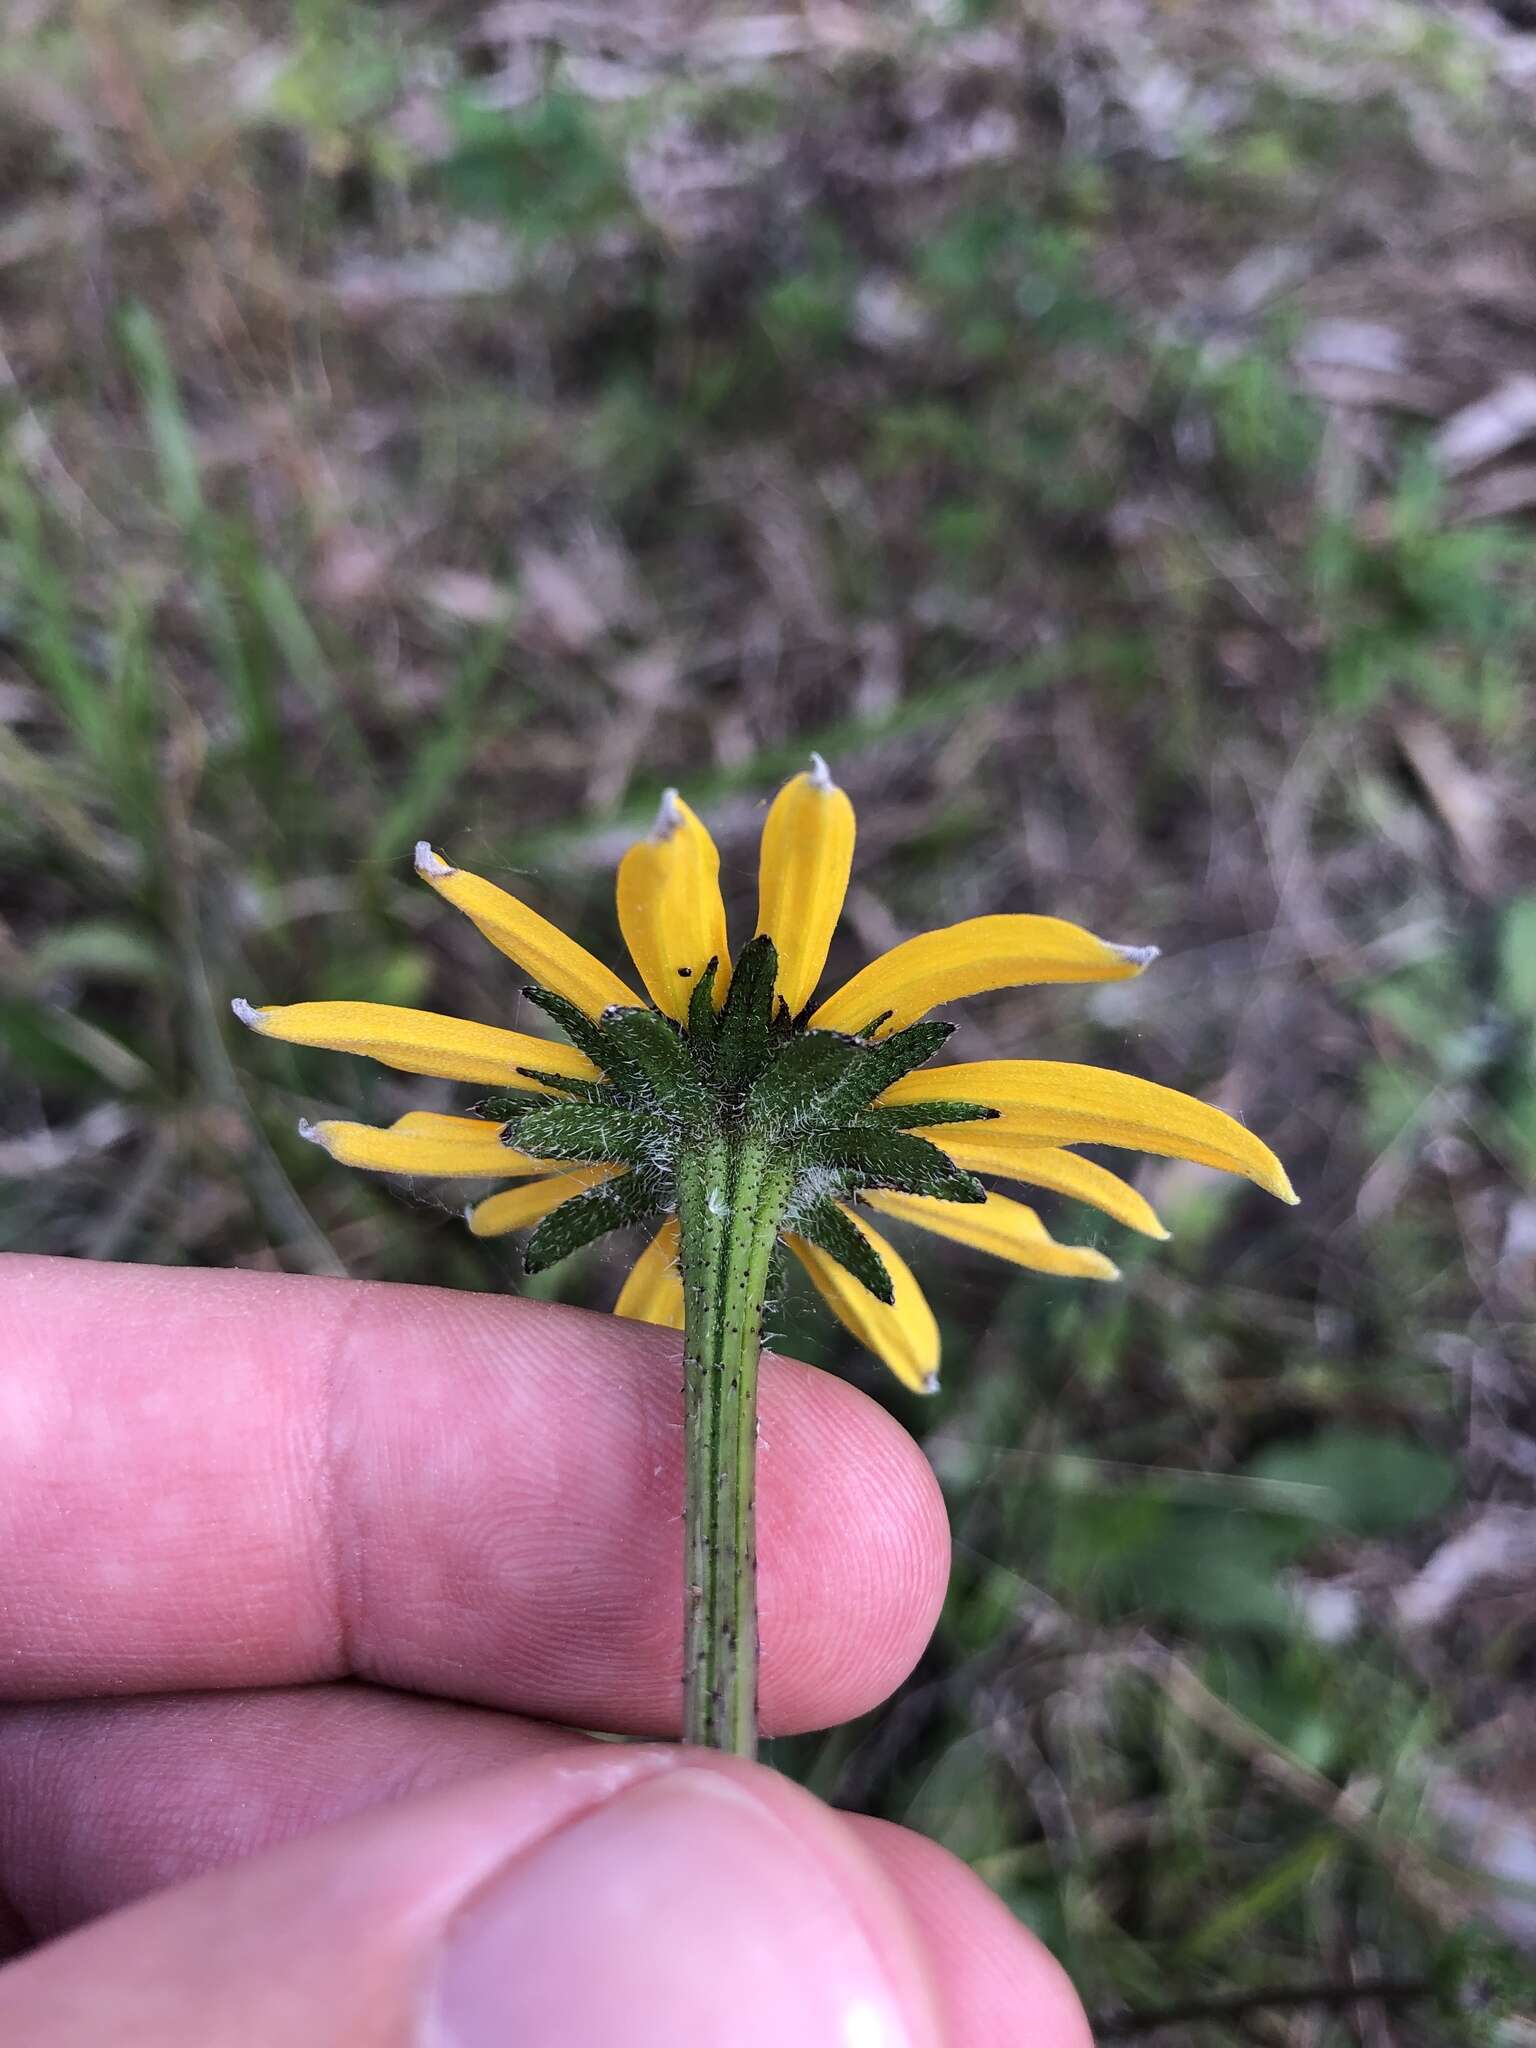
[[591, 1130]]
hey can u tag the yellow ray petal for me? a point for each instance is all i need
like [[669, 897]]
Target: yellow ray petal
[[653, 1293], [802, 877], [419, 1041], [965, 959], [540, 948], [670, 909], [903, 1334], [974, 1147], [516, 1208], [1051, 1102], [1001, 1226], [423, 1142]]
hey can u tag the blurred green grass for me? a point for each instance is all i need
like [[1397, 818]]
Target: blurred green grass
[[418, 424]]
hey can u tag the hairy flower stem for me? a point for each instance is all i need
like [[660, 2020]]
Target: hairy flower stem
[[732, 1194]]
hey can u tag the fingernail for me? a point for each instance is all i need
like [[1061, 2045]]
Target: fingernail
[[683, 1911]]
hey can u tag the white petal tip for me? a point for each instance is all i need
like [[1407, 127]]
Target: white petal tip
[[931, 1383], [669, 815], [1138, 956], [820, 775], [431, 866], [310, 1131], [248, 1012]]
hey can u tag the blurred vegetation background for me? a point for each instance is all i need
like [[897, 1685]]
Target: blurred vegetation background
[[1103, 428]]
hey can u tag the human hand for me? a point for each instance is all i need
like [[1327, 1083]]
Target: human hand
[[301, 1577]]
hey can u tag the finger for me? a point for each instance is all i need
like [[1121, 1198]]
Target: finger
[[996, 1985], [643, 1895], [104, 1801], [226, 1479]]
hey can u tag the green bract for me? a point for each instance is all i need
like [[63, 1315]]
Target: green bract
[[747, 1074]]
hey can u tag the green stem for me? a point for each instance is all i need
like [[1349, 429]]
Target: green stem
[[732, 1194]]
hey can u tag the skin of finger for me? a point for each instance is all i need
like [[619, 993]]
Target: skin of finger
[[335, 1936], [990, 1974], [227, 1479], [105, 1801]]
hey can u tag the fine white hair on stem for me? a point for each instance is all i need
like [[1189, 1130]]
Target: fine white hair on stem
[[430, 863], [821, 774], [669, 815]]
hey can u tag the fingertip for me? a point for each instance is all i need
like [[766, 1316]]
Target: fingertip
[[851, 1518], [653, 1896], [788, 1931], [997, 1983], [503, 1478]]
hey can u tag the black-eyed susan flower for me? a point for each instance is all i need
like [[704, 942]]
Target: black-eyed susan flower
[[731, 1113]]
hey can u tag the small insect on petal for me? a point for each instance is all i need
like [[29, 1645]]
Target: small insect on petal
[[670, 909]]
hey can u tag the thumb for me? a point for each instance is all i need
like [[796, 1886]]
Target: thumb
[[641, 1895]]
